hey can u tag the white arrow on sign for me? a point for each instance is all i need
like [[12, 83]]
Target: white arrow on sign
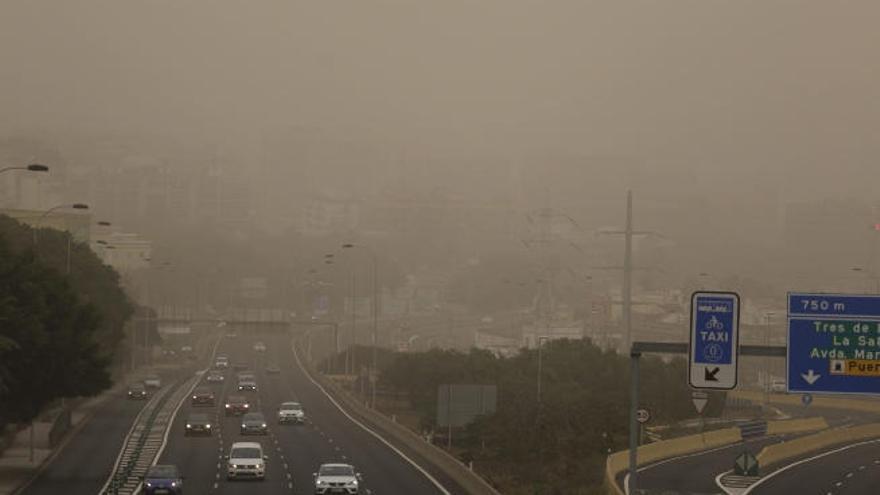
[[810, 377]]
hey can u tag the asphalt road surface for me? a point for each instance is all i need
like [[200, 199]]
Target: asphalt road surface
[[854, 471], [88, 458], [695, 473]]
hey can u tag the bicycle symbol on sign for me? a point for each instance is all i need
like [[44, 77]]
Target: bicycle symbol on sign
[[714, 324]]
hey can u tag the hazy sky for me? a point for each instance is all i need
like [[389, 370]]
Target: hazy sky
[[749, 85]]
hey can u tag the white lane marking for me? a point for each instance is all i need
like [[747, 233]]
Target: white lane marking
[[368, 430], [809, 459], [182, 401], [849, 475], [838, 484]]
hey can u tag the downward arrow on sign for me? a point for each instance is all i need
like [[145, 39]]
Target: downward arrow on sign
[[810, 377]]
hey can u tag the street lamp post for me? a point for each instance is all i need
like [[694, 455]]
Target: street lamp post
[[39, 222], [375, 338], [33, 167]]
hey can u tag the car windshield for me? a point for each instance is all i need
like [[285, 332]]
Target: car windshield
[[245, 453], [202, 391], [257, 417], [162, 472], [197, 418], [235, 399], [136, 387], [294, 406], [337, 471]]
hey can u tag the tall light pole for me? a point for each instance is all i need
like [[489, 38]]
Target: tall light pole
[[375, 312]]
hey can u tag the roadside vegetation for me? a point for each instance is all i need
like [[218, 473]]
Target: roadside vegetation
[[557, 446], [58, 332]]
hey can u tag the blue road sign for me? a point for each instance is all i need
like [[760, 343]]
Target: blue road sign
[[714, 340], [833, 343]]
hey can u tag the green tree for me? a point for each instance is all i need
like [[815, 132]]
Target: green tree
[[56, 352]]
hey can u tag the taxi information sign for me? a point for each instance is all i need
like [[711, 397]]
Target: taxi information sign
[[714, 340]]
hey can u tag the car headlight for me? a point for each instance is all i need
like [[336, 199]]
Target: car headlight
[[247, 406], [243, 425], [194, 397], [189, 425], [321, 483], [208, 426], [173, 484], [264, 425], [227, 406], [353, 483], [149, 485]]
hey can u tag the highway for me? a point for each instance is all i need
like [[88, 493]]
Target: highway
[[295, 451]]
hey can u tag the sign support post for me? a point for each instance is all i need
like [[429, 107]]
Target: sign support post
[[633, 420]]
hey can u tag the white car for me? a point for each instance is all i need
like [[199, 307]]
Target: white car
[[291, 412], [337, 478], [221, 363], [260, 347], [152, 381], [246, 460]]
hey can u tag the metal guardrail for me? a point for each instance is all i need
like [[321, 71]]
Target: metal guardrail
[[146, 437]]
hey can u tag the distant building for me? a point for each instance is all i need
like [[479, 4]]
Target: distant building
[[124, 252], [496, 344]]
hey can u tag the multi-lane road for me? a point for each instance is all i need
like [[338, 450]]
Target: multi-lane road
[[295, 451]]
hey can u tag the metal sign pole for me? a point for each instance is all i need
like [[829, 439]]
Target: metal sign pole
[[633, 420]]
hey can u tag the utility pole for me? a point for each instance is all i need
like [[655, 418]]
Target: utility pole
[[627, 267], [627, 271]]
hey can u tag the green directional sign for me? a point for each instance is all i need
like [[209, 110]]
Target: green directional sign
[[746, 465]]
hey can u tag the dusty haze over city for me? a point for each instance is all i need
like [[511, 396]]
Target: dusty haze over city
[[713, 113]]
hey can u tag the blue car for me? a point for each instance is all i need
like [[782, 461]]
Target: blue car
[[163, 479]]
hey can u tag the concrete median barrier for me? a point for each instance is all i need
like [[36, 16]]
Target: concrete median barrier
[[618, 462], [802, 425], [784, 451]]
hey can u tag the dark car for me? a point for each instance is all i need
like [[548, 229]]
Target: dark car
[[247, 385], [214, 377], [203, 396], [163, 479], [198, 424], [254, 424], [137, 391], [236, 405]]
